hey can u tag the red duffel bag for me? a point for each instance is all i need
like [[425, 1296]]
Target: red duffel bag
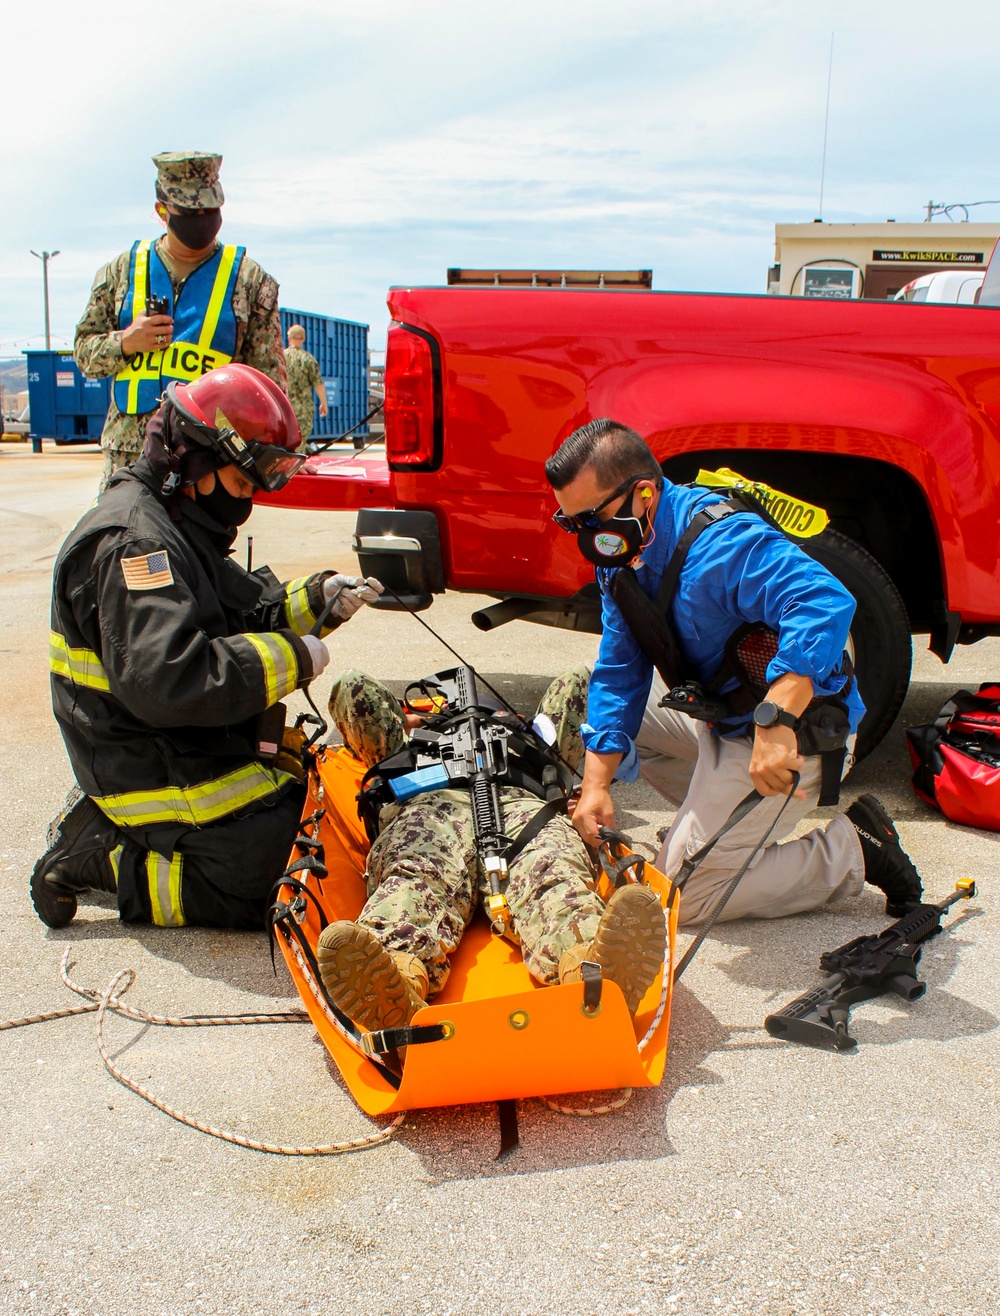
[[956, 758]]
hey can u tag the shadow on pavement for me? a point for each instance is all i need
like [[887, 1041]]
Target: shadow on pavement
[[239, 959], [462, 1142]]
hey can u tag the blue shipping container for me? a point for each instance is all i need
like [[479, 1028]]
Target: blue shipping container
[[65, 405], [341, 348]]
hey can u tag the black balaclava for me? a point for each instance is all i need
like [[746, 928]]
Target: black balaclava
[[223, 506], [196, 230], [180, 463]]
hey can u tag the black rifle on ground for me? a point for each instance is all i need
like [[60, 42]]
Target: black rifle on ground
[[863, 969]]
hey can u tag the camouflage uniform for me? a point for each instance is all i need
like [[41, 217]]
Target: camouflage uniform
[[190, 181], [423, 872], [303, 378]]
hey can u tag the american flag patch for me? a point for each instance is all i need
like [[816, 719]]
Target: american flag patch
[[152, 571]]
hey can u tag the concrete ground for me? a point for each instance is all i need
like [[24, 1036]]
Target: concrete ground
[[759, 1177]]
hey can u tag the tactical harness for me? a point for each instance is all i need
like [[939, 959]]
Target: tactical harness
[[824, 727], [477, 747]]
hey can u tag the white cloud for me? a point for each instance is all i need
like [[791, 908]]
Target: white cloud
[[366, 145]]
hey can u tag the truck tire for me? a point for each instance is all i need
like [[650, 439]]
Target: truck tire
[[880, 632]]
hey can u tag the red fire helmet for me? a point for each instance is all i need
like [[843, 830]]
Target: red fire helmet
[[246, 418]]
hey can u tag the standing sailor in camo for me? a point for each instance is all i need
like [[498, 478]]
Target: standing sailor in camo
[[304, 379], [172, 308]]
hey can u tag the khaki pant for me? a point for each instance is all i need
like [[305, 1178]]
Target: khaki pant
[[706, 777]]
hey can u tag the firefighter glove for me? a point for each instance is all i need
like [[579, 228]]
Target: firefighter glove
[[354, 591], [319, 654]]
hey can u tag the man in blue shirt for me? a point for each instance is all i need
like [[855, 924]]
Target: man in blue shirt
[[740, 570]]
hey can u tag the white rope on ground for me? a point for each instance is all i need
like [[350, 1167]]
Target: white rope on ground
[[93, 999], [175, 1021], [278, 1149], [110, 999], [585, 1112], [49, 1014]]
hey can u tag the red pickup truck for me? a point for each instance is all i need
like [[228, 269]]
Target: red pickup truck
[[886, 414]]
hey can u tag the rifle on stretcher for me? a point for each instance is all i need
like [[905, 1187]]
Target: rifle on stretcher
[[863, 969]]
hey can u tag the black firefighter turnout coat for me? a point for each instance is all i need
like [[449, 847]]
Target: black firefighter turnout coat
[[163, 653]]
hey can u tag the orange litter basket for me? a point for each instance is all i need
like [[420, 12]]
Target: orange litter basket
[[506, 1035]]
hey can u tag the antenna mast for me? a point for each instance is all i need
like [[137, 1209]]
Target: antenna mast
[[826, 127]]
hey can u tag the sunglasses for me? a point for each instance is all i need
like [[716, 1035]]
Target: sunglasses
[[590, 520]]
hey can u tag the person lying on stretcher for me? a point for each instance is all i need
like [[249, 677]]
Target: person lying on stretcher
[[426, 872]]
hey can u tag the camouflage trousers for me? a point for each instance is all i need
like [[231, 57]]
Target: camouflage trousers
[[114, 460], [305, 418], [424, 875]]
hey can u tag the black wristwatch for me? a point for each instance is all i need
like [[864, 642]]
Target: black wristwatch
[[769, 714]]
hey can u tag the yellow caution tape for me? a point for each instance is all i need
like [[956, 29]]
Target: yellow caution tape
[[796, 517]]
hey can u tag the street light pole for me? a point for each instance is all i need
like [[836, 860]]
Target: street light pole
[[45, 257]]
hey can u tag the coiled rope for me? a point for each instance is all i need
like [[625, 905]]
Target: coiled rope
[[110, 999]]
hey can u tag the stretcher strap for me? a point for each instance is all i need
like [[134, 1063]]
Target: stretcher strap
[[308, 863], [593, 983], [382, 1040], [532, 827], [617, 869], [509, 1133]]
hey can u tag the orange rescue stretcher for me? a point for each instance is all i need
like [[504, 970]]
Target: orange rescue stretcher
[[503, 1035]]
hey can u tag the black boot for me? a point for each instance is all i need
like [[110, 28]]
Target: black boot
[[80, 840], [887, 865]]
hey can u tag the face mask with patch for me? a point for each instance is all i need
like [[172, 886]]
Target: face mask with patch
[[615, 542]]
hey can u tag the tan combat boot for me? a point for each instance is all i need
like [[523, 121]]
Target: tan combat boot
[[374, 987], [628, 945]]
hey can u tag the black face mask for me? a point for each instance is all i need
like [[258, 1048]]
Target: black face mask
[[223, 506], [193, 229], [615, 542]]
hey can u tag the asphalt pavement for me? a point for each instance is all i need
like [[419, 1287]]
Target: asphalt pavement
[[759, 1177]]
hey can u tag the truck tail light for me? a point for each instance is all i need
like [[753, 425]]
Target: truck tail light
[[413, 413]]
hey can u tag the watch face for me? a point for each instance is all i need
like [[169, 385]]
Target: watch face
[[765, 714]]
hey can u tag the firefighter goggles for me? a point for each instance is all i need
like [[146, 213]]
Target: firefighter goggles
[[266, 465], [589, 520]]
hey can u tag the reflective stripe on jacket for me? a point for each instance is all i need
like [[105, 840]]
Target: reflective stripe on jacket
[[204, 332], [163, 652]]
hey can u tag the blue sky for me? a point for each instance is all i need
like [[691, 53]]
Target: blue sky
[[373, 144]]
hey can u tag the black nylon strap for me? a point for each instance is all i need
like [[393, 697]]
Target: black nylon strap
[[699, 522], [831, 771], [614, 868], [551, 809], [381, 1040], [691, 862], [593, 982]]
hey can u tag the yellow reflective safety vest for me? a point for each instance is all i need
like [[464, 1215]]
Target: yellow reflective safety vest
[[205, 325]]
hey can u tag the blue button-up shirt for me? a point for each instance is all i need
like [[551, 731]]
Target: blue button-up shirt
[[738, 570]]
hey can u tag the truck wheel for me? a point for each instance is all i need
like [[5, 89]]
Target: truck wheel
[[880, 631]]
